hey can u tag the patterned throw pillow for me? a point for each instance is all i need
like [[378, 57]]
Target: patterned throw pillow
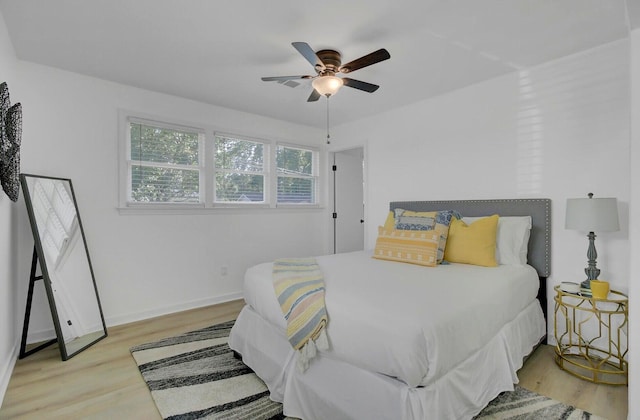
[[410, 246], [413, 220], [428, 220]]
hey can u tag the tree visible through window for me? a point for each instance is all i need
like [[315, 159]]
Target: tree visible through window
[[296, 177], [169, 165], [239, 170], [164, 165]]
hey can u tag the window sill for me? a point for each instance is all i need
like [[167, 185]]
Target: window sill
[[200, 209]]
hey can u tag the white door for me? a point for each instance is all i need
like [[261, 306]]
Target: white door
[[349, 202]]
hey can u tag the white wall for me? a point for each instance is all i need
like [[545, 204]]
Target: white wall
[[147, 265], [9, 338], [556, 131], [634, 229]]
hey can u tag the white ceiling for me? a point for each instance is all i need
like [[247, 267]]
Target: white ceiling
[[215, 51]]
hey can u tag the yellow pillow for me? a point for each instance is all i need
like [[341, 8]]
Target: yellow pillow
[[410, 246], [472, 244], [390, 223]]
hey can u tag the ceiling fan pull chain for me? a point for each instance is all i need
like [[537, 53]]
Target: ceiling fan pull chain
[[328, 135]]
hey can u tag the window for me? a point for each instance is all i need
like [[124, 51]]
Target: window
[[239, 174], [165, 165], [296, 175]]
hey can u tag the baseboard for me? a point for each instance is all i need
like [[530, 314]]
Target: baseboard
[[139, 316], [7, 370], [45, 335], [40, 336]]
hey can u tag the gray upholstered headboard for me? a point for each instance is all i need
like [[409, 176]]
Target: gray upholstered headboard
[[539, 209]]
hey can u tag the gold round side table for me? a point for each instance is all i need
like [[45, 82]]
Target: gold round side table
[[592, 336]]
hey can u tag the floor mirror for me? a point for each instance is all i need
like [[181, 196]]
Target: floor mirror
[[60, 251]]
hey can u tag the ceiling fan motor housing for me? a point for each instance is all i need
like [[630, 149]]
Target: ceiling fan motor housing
[[332, 61]]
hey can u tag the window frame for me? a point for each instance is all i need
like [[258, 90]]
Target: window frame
[[266, 164], [207, 170], [201, 167], [315, 173]]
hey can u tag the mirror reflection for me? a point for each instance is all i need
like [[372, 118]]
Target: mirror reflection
[[64, 261]]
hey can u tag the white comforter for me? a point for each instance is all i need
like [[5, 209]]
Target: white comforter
[[410, 322]]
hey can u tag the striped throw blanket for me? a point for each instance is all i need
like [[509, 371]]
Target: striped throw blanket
[[299, 286]]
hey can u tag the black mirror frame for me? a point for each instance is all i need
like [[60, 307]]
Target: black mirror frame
[[39, 254]]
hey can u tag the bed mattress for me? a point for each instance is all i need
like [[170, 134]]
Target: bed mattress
[[334, 389], [404, 321]]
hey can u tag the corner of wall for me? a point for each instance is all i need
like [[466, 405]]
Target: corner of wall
[[634, 225], [6, 370], [9, 339]]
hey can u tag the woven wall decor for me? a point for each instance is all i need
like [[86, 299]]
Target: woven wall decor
[[4, 107], [10, 138]]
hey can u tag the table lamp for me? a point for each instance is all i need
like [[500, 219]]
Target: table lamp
[[592, 215]]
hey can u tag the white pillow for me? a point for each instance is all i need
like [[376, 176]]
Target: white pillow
[[512, 238]]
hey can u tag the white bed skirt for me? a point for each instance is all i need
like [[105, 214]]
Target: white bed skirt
[[333, 389]]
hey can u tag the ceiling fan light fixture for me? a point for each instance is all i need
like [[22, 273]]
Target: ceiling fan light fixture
[[328, 63], [327, 85]]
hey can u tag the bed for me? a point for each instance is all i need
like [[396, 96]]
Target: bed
[[407, 341]]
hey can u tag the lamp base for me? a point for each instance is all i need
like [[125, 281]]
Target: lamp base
[[591, 271]]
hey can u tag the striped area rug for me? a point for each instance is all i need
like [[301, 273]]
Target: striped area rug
[[522, 404], [195, 376]]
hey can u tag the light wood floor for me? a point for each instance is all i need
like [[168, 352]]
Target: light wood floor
[[541, 374], [103, 382]]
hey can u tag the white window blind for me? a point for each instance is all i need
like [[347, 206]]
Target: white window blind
[[239, 170], [297, 175], [175, 166], [164, 164]]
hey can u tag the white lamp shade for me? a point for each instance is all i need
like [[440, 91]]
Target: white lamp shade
[[327, 85], [592, 214]]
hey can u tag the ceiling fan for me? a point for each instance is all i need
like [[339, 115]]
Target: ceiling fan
[[327, 63]]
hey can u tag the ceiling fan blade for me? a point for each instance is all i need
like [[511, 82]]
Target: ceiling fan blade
[[308, 53], [367, 60], [284, 78], [358, 84], [315, 95]]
